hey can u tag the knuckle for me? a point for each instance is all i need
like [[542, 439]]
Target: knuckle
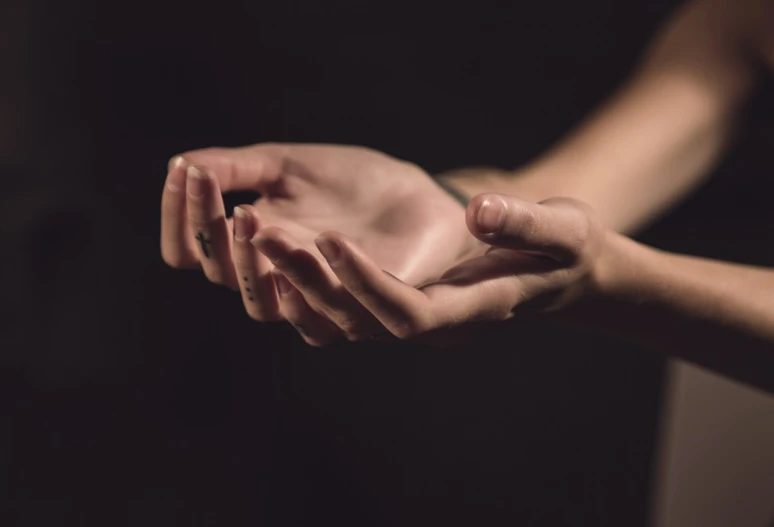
[[582, 234], [529, 223], [584, 228], [198, 223]]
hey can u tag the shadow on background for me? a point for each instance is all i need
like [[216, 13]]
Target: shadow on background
[[138, 395]]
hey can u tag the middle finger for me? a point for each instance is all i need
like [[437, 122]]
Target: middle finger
[[207, 219]]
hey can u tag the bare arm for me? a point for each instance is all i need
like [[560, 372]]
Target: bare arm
[[717, 314], [659, 135]]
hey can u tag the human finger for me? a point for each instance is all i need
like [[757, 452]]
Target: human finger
[[558, 228], [402, 309], [318, 285], [256, 167], [177, 244], [314, 328], [207, 221], [253, 269]]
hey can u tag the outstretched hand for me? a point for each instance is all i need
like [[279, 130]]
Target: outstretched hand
[[392, 209], [536, 256]]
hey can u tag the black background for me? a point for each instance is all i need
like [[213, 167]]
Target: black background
[[137, 395]]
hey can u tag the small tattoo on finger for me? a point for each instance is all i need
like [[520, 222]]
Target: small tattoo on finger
[[203, 243]]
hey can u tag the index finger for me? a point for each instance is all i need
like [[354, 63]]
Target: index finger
[[177, 247], [256, 167]]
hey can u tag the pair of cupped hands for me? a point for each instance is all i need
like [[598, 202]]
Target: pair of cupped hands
[[348, 242]]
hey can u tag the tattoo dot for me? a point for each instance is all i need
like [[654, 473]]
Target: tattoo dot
[[247, 289], [249, 298], [244, 278]]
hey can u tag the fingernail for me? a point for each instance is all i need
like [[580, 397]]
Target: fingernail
[[175, 178], [270, 248], [196, 182], [491, 215], [175, 162], [329, 249], [241, 224], [283, 284]]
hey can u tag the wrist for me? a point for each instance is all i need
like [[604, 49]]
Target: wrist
[[620, 272], [609, 280]]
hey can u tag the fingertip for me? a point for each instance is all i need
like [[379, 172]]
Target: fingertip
[[252, 212], [176, 177], [329, 248], [472, 210], [260, 238], [243, 225], [197, 181], [271, 231], [490, 216], [283, 285], [345, 244], [271, 242], [177, 161], [196, 172]]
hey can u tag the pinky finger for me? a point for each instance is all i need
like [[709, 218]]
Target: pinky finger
[[315, 329]]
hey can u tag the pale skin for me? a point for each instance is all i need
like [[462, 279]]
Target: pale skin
[[636, 156], [411, 227]]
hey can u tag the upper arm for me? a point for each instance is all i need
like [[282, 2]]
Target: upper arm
[[714, 46], [765, 34]]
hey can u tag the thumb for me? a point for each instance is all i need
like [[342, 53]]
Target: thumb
[[556, 227]]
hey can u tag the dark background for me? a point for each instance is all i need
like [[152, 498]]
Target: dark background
[[133, 394]]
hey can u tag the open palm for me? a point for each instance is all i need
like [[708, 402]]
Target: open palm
[[393, 209]]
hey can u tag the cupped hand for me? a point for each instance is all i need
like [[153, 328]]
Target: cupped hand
[[392, 209], [538, 257]]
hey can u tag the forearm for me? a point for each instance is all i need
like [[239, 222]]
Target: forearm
[[717, 314], [656, 138]]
